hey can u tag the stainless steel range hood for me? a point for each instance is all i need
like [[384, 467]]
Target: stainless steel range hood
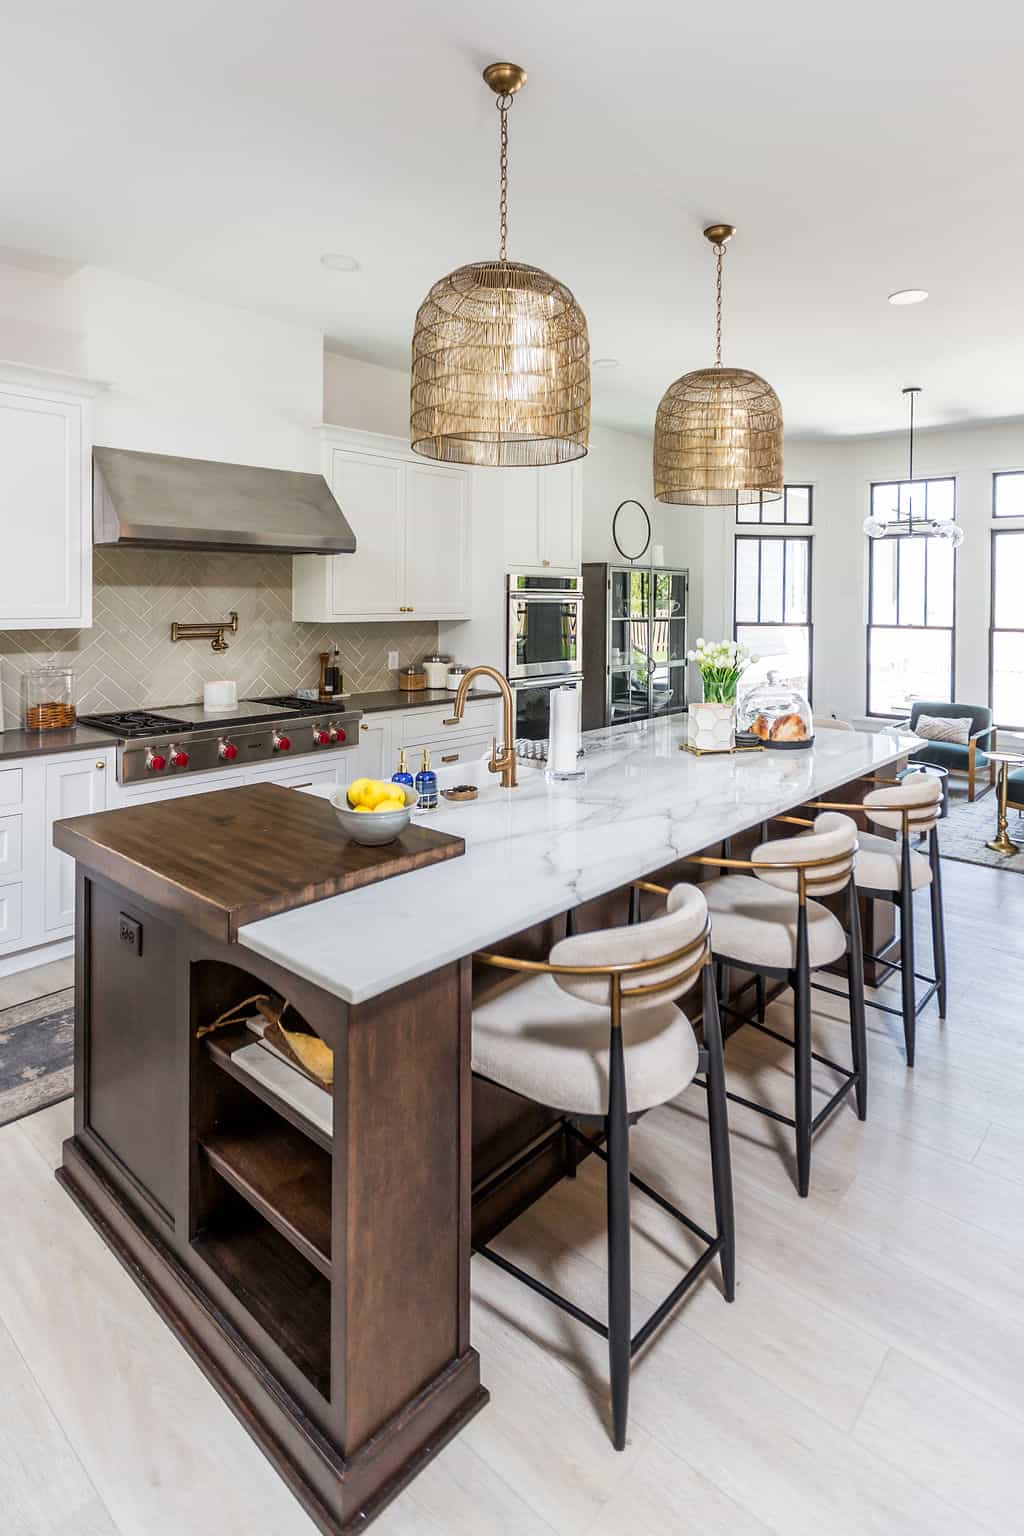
[[158, 501]]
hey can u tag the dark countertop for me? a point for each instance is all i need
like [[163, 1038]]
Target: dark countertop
[[397, 698], [81, 738]]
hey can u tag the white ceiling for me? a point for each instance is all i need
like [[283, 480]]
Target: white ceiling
[[221, 147]]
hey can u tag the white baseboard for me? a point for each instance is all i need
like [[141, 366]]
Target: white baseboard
[[39, 954]]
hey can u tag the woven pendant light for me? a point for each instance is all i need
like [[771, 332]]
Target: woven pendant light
[[718, 432], [500, 353]]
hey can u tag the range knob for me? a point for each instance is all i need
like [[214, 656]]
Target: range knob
[[338, 733], [322, 738], [227, 750], [179, 759], [282, 743], [155, 761]]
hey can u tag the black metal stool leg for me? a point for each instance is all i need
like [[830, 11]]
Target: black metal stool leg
[[570, 922], [938, 920], [907, 953], [761, 994], [634, 905], [617, 1131], [802, 1038], [858, 1023], [718, 1130]]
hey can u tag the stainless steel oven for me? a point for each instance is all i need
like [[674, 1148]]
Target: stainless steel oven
[[545, 626], [532, 699]]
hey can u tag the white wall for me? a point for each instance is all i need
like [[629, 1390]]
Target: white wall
[[37, 324], [198, 379], [841, 473]]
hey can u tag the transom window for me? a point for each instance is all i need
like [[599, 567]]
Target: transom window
[[795, 505], [911, 599], [772, 606], [1006, 630], [1008, 493]]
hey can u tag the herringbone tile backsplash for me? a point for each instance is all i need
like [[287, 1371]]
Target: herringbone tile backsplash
[[127, 657]]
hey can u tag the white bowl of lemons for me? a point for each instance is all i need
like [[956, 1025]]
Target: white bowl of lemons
[[374, 811]]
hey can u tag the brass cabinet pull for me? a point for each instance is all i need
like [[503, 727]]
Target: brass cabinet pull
[[545, 562], [452, 757], [364, 727], [101, 765]]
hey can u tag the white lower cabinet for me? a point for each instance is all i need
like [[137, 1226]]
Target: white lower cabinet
[[375, 758], [382, 736], [74, 786]]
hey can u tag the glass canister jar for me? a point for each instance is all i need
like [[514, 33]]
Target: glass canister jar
[[777, 714], [48, 699]]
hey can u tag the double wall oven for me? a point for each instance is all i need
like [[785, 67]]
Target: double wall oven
[[545, 646]]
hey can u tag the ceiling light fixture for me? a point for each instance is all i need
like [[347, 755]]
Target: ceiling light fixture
[[500, 352], [928, 527], [909, 296], [337, 261], [718, 432]]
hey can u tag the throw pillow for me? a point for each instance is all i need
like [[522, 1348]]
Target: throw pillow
[[936, 728]]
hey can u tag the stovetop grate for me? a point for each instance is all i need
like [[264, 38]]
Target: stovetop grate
[[136, 722]]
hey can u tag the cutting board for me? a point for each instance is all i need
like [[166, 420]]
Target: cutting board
[[224, 859]]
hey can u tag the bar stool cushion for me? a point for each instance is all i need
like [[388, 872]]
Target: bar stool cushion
[[833, 834], [878, 865], [923, 790], [547, 1037], [755, 922]]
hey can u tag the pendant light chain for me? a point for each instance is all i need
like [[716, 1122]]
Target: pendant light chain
[[719, 253], [503, 103]]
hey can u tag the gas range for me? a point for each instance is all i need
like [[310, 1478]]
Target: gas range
[[166, 743]]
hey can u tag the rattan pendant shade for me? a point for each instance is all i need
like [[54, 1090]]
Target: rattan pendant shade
[[718, 431], [500, 354]]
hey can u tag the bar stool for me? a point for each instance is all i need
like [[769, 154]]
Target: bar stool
[[893, 871], [594, 1032], [768, 925]]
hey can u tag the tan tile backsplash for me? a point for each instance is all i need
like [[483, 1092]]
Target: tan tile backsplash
[[127, 657]]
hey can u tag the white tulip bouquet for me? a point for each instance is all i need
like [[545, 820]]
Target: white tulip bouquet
[[722, 664]]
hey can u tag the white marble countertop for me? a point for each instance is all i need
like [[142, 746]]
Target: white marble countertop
[[536, 850]]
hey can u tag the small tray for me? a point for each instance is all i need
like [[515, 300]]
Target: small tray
[[461, 792]]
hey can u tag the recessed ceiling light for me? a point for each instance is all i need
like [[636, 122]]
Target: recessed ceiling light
[[909, 296], [604, 362], [337, 261]]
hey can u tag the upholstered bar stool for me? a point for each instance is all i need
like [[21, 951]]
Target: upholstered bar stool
[[766, 921], [595, 1033], [893, 871]]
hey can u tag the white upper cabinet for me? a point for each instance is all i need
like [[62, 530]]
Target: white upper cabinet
[[543, 519], [412, 527], [45, 502]]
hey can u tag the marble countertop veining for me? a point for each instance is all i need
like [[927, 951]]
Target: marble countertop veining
[[537, 850]]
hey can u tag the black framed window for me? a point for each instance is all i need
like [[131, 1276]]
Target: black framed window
[[911, 599], [772, 606], [1008, 493], [1006, 628], [794, 506]]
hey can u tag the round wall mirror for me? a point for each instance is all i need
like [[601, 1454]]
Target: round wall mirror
[[631, 530]]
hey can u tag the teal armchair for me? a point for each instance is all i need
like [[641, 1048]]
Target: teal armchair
[[969, 758]]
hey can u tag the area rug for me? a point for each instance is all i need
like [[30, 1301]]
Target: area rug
[[36, 1054], [968, 827]]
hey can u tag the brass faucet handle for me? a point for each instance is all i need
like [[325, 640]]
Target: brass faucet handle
[[452, 720]]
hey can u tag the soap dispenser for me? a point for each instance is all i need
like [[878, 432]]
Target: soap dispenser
[[426, 785], [401, 774]]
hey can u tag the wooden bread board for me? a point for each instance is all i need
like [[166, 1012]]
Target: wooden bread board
[[230, 857]]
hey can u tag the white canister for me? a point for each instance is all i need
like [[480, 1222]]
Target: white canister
[[220, 695], [435, 668], [454, 676]]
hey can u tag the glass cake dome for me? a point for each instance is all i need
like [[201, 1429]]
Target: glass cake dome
[[777, 714]]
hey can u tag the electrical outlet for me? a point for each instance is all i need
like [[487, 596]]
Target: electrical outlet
[[392, 661]]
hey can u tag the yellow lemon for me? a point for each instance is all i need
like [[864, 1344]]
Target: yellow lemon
[[374, 793], [390, 805], [357, 790], [365, 808]]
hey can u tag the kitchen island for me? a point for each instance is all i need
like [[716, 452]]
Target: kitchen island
[[320, 1277]]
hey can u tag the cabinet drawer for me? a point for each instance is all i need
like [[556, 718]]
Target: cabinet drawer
[[11, 791], [444, 752], [421, 727], [10, 914], [10, 846]]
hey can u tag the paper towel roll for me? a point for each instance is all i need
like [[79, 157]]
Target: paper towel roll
[[564, 734], [222, 694]]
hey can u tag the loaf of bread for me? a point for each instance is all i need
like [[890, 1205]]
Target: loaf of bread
[[760, 728], [789, 728]]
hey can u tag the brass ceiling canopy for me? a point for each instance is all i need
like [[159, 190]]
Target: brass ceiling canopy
[[500, 352], [718, 432]]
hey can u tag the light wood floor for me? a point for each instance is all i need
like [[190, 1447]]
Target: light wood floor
[[868, 1379]]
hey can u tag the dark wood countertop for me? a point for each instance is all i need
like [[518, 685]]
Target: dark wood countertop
[[80, 738], [398, 698], [232, 856]]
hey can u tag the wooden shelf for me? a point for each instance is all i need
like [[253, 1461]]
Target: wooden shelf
[[288, 1299], [222, 1046], [285, 1177]]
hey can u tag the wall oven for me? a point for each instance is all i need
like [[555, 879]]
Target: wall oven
[[545, 626], [532, 700]]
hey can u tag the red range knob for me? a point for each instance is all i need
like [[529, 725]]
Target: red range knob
[[323, 738], [338, 734], [179, 759], [282, 743], [228, 751], [156, 762]]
